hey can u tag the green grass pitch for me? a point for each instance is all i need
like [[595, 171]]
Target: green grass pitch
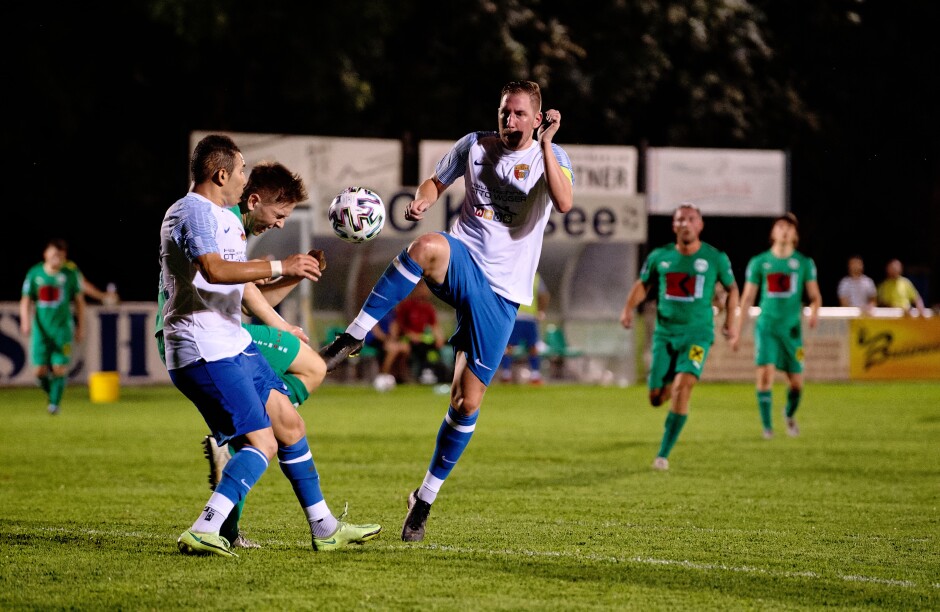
[[553, 506]]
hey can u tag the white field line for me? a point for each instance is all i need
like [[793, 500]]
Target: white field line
[[704, 567]]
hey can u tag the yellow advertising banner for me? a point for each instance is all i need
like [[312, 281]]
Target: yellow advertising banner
[[905, 348]]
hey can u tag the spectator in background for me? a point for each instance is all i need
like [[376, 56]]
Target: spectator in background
[[526, 332], [857, 289], [52, 287], [897, 291], [418, 330], [388, 353]]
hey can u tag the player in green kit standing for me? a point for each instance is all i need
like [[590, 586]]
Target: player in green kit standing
[[52, 287], [684, 276], [784, 276]]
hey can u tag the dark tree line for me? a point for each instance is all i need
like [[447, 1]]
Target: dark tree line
[[105, 95]]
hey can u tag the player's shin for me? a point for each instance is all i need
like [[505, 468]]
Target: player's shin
[[240, 474]]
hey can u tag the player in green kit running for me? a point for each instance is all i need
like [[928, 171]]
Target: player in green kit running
[[52, 286], [784, 276], [684, 276]]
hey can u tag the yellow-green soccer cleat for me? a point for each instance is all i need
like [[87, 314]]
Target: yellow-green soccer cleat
[[195, 543], [346, 534]]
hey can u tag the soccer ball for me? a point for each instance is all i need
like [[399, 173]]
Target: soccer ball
[[357, 214], [384, 382]]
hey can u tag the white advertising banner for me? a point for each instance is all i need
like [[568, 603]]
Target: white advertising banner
[[722, 182], [606, 205], [327, 165]]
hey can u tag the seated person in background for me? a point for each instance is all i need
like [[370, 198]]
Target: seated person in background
[[417, 327], [525, 331], [857, 289], [388, 353], [897, 291]]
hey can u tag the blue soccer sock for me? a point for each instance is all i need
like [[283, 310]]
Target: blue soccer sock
[[296, 462], [240, 474], [229, 529], [396, 283], [452, 438]]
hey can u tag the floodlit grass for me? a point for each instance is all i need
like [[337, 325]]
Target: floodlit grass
[[553, 505]]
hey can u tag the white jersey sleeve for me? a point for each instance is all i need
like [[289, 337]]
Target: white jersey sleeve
[[201, 320]]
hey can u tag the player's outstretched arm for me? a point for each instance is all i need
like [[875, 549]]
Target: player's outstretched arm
[[634, 298]]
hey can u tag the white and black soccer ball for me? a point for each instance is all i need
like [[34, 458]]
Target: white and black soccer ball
[[357, 214]]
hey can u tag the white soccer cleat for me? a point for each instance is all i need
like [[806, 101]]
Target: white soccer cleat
[[661, 464], [793, 429]]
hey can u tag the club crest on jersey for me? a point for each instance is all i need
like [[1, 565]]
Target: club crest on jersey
[[700, 266], [521, 171]]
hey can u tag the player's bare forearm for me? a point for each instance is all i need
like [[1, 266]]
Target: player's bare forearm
[[426, 195], [731, 326], [634, 298], [220, 271], [255, 303]]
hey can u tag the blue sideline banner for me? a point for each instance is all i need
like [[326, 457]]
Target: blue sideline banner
[[117, 338]]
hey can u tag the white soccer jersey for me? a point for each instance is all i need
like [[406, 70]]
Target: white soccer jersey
[[506, 208], [201, 320]]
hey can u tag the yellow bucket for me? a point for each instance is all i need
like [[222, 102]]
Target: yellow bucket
[[104, 387]]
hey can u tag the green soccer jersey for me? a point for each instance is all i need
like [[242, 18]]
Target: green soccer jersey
[[53, 295], [686, 287], [781, 282]]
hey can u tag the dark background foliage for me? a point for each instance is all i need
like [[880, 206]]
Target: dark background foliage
[[101, 99]]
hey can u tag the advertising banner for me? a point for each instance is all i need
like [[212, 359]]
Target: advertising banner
[[117, 339], [722, 182], [327, 165], [903, 348]]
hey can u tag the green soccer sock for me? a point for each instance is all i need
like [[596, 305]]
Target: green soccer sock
[[674, 424], [44, 383], [56, 389], [765, 404], [229, 528], [793, 401]]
